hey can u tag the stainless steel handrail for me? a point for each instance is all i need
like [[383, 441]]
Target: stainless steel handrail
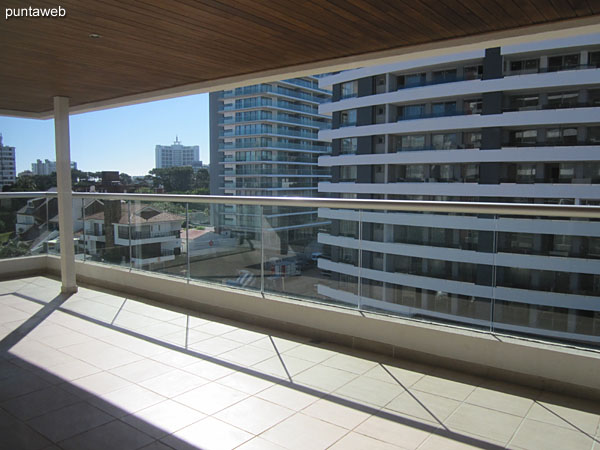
[[510, 209]]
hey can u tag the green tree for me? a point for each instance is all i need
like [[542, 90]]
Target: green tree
[[125, 178], [174, 179]]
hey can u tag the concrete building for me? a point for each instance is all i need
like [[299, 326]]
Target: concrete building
[[47, 167], [264, 142], [519, 123], [176, 155], [8, 165]]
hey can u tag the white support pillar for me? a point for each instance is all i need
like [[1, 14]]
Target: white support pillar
[[65, 197]]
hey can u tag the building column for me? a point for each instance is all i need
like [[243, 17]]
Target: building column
[[65, 197]]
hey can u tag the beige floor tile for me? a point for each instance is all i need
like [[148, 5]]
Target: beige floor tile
[[568, 412], [176, 359], [21, 383], [141, 370], [283, 366], [133, 344], [100, 383], [209, 370], [133, 321], [349, 363], [303, 432], [280, 345], [58, 341], [254, 415], [18, 435], [112, 435], [444, 387], [208, 434], [128, 400], [310, 353], [211, 398], [509, 403], [216, 328], [337, 413], [69, 421], [289, 397], [534, 435], [151, 311], [424, 406], [395, 375], [484, 422], [393, 432], [357, 441], [163, 418], [159, 330], [244, 336], [369, 391], [245, 383], [39, 354], [174, 382], [247, 355], [39, 402], [259, 443], [458, 441], [72, 370], [326, 379], [214, 346]]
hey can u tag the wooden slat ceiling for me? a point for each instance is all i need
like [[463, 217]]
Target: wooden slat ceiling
[[147, 45]]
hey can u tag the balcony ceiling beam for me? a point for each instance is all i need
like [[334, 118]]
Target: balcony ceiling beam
[[110, 53]]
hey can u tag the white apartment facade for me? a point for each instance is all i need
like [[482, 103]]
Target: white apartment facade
[[8, 167], [264, 142], [176, 155], [513, 124]]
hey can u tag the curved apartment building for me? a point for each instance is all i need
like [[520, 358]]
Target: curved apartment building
[[519, 123], [264, 142]]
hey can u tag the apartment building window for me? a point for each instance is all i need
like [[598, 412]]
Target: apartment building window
[[348, 118], [469, 173], [525, 173], [349, 89], [525, 65], [561, 136], [415, 172], [524, 102], [593, 135], [411, 112], [444, 76], [473, 72], [348, 228], [348, 146], [380, 84], [594, 59], [444, 109], [348, 173], [563, 62], [472, 106], [566, 173], [410, 142], [411, 80], [591, 171], [563, 100], [594, 97], [523, 137], [444, 141], [472, 139]]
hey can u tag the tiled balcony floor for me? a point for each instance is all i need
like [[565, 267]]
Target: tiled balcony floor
[[102, 371]]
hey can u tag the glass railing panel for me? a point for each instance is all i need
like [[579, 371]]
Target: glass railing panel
[[154, 234], [225, 245], [23, 227], [295, 262], [425, 267], [547, 280]]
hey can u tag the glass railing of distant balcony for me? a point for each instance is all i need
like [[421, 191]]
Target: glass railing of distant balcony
[[566, 105], [274, 183], [552, 143], [260, 116], [424, 82], [558, 68], [267, 103], [253, 170], [263, 88], [242, 157], [434, 115], [274, 131], [286, 145], [451, 263], [301, 95], [307, 84], [226, 120]]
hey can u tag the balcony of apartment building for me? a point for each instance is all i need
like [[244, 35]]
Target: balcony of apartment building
[[270, 339]]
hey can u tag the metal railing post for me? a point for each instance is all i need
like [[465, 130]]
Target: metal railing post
[[187, 241]]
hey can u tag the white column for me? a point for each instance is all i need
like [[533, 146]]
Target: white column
[[65, 197]]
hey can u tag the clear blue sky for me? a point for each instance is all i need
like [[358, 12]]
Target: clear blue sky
[[120, 139]]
